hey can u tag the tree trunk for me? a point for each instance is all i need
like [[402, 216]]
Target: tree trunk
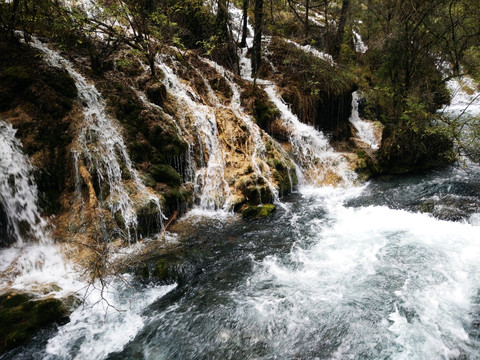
[[245, 24], [341, 29], [257, 38], [222, 19], [307, 10], [13, 19]]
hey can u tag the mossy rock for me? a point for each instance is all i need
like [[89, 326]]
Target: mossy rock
[[258, 211], [257, 194], [61, 82], [178, 199], [165, 174], [19, 76], [157, 93], [173, 267], [167, 141], [148, 180], [21, 315]]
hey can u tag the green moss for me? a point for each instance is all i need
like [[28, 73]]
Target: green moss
[[258, 211], [148, 180], [361, 154], [61, 82], [18, 75], [264, 112], [167, 141], [21, 316], [161, 270], [165, 174]]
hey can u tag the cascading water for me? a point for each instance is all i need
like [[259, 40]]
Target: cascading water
[[34, 263], [259, 148], [210, 184], [319, 163], [244, 62], [360, 46], [364, 129], [311, 50], [103, 149], [18, 192], [343, 273], [316, 159]]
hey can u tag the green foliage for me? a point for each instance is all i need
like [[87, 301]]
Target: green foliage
[[311, 74], [471, 62]]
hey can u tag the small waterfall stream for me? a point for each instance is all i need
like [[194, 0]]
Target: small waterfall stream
[[258, 148], [353, 272], [319, 163], [210, 184], [18, 192], [33, 263], [363, 128], [315, 158], [103, 149]]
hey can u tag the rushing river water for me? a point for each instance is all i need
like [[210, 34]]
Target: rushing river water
[[358, 273]]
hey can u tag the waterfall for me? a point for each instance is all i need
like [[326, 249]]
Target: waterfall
[[314, 156], [245, 64], [259, 150], [317, 160], [360, 46], [103, 149], [364, 129], [211, 187], [18, 192], [35, 262]]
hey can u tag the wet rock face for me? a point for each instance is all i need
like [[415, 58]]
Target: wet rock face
[[21, 315], [37, 99]]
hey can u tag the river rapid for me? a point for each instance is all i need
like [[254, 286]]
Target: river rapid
[[346, 273]]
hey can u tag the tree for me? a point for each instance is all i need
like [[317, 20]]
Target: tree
[[257, 37], [243, 43], [340, 29]]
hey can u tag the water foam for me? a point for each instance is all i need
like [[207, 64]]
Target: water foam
[[18, 191], [109, 319], [404, 281]]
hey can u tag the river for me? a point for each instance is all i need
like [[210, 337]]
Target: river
[[357, 273]]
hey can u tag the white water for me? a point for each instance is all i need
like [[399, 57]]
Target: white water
[[315, 157], [259, 151], [102, 147], [311, 149], [463, 102], [360, 46], [108, 320], [35, 263], [236, 16], [311, 50], [210, 184], [18, 191], [364, 129], [369, 282]]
